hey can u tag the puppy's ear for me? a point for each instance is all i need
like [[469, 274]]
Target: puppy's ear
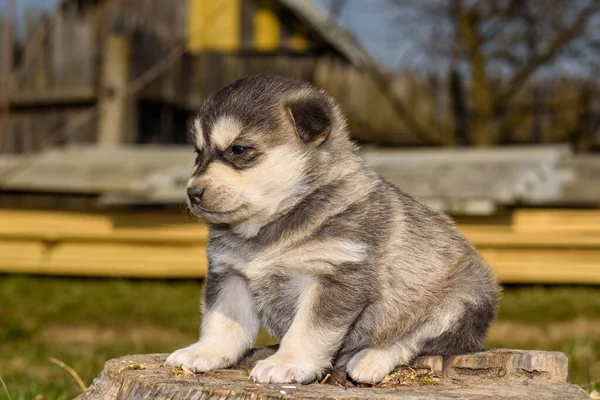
[[311, 118]]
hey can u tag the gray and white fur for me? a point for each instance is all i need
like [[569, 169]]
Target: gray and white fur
[[309, 241]]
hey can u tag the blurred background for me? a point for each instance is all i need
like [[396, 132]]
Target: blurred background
[[486, 110]]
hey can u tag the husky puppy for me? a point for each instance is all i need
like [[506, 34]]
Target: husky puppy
[[310, 242]]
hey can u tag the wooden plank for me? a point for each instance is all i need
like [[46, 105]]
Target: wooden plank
[[166, 245], [37, 77], [58, 51], [85, 58], [124, 226], [146, 261], [21, 256], [83, 95], [178, 260], [104, 259], [70, 52], [157, 221], [112, 103], [557, 220], [16, 221], [505, 237], [543, 266], [166, 238]]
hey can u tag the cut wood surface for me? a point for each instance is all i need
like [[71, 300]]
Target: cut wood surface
[[493, 374], [168, 244]]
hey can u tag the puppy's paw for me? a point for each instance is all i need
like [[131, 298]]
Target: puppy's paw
[[286, 369], [200, 358], [370, 366]]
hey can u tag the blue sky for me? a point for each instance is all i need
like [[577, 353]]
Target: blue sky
[[374, 24]]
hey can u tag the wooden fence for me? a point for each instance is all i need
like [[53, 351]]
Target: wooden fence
[[81, 56], [90, 53]]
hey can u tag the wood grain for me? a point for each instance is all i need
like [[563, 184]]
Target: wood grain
[[494, 374]]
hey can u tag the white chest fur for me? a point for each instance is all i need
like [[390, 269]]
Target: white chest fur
[[311, 256]]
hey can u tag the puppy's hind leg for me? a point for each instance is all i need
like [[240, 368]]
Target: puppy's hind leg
[[372, 364], [229, 326], [468, 332]]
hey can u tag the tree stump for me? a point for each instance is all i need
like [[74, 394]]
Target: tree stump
[[493, 374]]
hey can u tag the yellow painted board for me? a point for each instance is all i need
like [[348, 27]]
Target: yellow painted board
[[199, 235], [166, 245], [545, 256], [125, 218], [523, 273], [120, 226], [49, 220], [214, 25], [484, 228], [556, 220], [543, 240], [267, 31], [175, 239], [123, 260], [17, 256], [545, 266], [152, 261], [130, 260]]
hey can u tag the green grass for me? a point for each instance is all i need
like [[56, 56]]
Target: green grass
[[84, 322]]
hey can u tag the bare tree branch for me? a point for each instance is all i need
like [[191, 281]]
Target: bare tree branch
[[560, 40], [506, 41]]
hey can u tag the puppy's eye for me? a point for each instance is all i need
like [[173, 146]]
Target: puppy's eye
[[240, 156], [237, 150]]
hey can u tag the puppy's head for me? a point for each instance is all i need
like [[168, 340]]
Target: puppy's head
[[260, 142]]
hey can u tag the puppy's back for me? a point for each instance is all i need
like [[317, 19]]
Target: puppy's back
[[432, 282]]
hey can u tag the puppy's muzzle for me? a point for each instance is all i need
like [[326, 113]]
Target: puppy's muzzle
[[195, 194]]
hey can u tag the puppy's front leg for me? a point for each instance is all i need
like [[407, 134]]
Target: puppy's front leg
[[229, 326], [310, 343]]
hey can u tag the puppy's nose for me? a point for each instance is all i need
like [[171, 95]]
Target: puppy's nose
[[195, 194]]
